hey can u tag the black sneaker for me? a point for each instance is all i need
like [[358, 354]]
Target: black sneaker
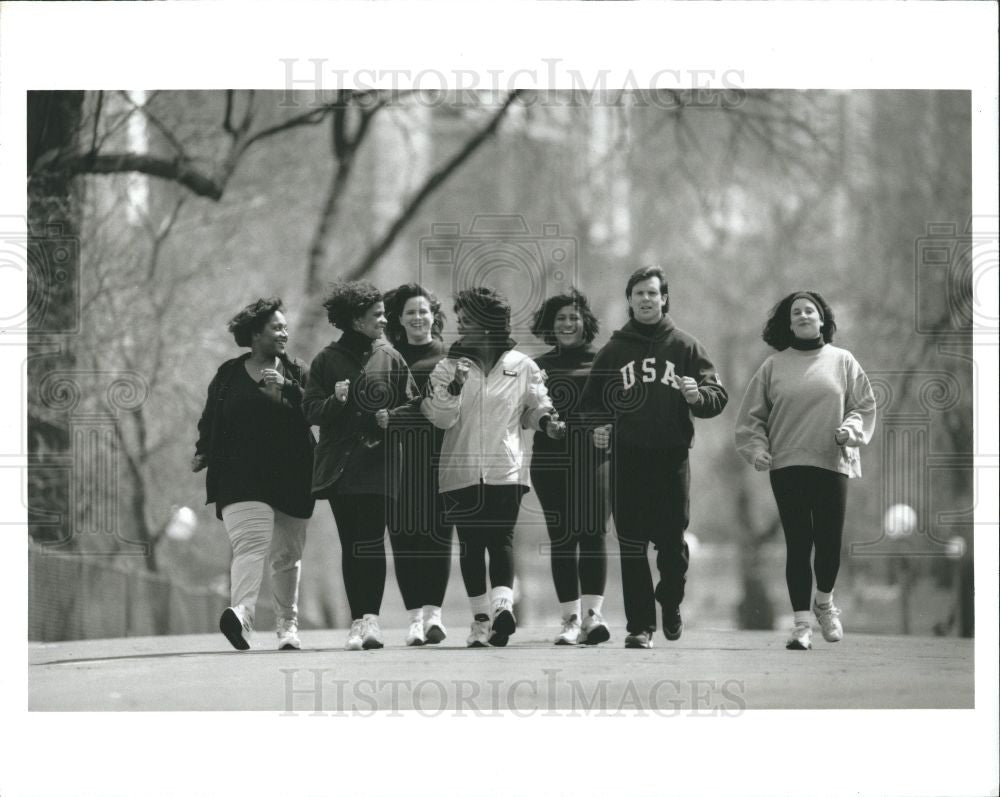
[[642, 639], [504, 624], [673, 625]]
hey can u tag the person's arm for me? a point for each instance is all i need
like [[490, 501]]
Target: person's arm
[[203, 445], [322, 401], [711, 398], [444, 400], [596, 415], [293, 388], [537, 412], [752, 421], [859, 408]]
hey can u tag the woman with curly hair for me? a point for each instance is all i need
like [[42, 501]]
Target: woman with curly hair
[[806, 412], [258, 449], [423, 538], [355, 385], [570, 475], [483, 394]]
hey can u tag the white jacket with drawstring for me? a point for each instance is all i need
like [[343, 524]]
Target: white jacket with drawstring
[[483, 440]]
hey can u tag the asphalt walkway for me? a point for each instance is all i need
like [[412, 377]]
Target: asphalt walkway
[[718, 672]]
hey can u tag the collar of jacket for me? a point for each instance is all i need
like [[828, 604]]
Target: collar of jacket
[[358, 345], [460, 349], [660, 330]]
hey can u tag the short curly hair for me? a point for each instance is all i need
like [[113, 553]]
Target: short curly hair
[[487, 307], [645, 273], [347, 301], [778, 328], [545, 317], [395, 301], [253, 318]]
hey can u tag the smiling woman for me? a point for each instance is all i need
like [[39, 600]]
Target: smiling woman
[[356, 385], [257, 447], [806, 412]]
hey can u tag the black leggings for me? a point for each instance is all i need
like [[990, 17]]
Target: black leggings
[[576, 517], [484, 517], [811, 503], [360, 523], [421, 543]]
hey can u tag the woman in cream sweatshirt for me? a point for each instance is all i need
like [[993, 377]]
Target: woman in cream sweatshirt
[[806, 412]]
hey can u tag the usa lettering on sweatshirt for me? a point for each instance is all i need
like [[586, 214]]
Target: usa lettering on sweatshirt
[[635, 386]]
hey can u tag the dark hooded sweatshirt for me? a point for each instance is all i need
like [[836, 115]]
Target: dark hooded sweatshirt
[[633, 384]]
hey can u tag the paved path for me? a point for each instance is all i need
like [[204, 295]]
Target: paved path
[[707, 671]]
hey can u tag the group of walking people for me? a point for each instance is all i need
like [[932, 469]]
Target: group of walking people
[[428, 442]]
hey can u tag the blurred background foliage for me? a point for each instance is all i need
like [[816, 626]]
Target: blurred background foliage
[[155, 216]]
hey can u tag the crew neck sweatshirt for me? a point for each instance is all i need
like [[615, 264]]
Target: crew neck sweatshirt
[[797, 401]]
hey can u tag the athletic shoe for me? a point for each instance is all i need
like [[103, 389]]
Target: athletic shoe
[[673, 625], [415, 636], [480, 635], [434, 633], [355, 637], [594, 629], [235, 624], [503, 624], [571, 631], [829, 621], [644, 639], [288, 635], [371, 635], [800, 638]]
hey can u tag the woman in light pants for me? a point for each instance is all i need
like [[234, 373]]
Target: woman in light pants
[[258, 532], [257, 446]]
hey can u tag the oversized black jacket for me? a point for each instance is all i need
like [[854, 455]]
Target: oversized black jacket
[[353, 451], [633, 385], [215, 434]]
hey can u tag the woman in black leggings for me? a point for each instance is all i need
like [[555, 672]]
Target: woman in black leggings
[[355, 385], [423, 542], [483, 394], [570, 475], [806, 412]]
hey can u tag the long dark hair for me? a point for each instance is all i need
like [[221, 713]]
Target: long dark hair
[[778, 328], [395, 301]]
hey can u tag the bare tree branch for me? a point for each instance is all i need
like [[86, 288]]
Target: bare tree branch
[[430, 186]]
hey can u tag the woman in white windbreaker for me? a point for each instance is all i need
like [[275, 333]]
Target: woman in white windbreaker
[[484, 393], [806, 412]]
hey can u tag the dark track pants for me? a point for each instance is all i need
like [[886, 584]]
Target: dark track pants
[[650, 504]]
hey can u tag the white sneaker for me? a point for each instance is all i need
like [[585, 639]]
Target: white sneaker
[[235, 623], [829, 621], [415, 636], [504, 624], [571, 631], [800, 638], [355, 637], [480, 636], [594, 630], [371, 635], [288, 635]]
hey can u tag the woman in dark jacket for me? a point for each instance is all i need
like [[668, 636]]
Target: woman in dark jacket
[[423, 538], [355, 384], [569, 474], [257, 447]]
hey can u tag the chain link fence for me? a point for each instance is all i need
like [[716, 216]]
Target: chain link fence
[[84, 597]]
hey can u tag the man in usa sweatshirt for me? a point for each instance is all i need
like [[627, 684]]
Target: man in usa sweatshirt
[[646, 386]]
